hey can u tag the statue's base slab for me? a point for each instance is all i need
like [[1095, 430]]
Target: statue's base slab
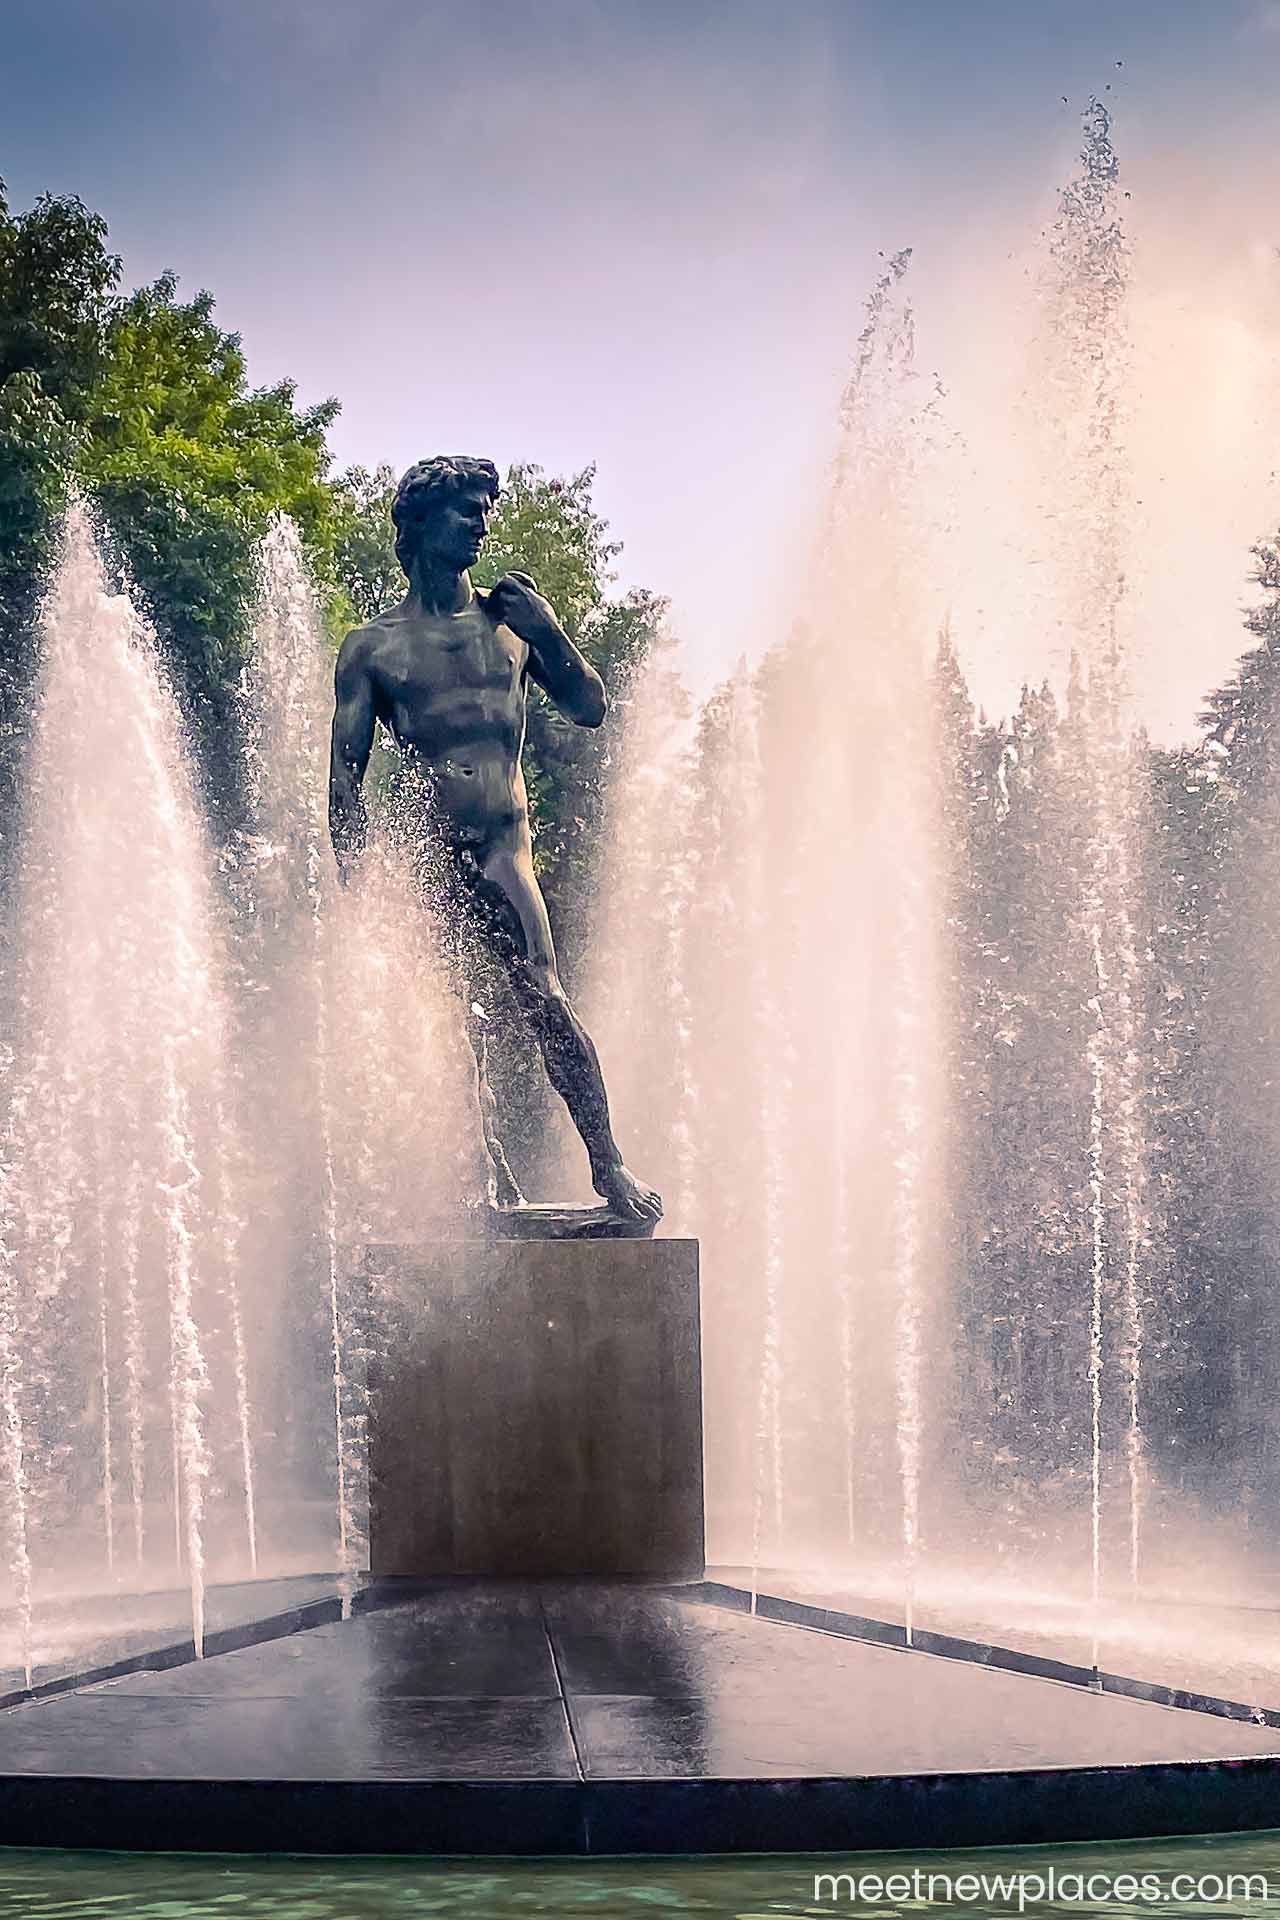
[[537, 1409], [536, 1221], [531, 1220]]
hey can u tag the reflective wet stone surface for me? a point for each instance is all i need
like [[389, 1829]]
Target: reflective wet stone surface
[[79, 1635], [516, 1718], [505, 1682], [454, 1643]]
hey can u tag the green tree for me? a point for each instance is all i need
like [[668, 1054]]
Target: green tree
[[1205, 1282], [364, 560], [1232, 1034], [188, 464], [145, 402], [56, 285]]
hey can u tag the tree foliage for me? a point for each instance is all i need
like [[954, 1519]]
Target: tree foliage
[[188, 464], [1204, 823], [56, 284], [144, 402], [365, 565]]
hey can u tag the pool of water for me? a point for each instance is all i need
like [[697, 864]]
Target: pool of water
[[1220, 1875]]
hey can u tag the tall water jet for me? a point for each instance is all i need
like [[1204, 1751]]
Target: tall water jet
[[13, 1447], [113, 1242], [638, 976], [775, 1091], [364, 1121], [873, 553], [1086, 358], [793, 861], [289, 881]]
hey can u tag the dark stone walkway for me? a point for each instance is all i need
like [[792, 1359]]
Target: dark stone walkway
[[513, 1719]]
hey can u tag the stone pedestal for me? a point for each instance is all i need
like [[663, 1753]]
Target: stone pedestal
[[537, 1409]]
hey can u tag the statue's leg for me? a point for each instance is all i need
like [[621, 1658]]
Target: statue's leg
[[513, 916], [444, 879], [506, 1188]]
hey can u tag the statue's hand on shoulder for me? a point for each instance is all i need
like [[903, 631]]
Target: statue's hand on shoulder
[[554, 662], [516, 602]]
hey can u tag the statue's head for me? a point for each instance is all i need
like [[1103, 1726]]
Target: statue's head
[[441, 510]]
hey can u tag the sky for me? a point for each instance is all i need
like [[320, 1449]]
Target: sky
[[640, 235]]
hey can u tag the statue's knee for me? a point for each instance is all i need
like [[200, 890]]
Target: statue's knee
[[554, 1014], [545, 982]]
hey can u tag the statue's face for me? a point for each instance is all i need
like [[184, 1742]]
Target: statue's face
[[457, 527]]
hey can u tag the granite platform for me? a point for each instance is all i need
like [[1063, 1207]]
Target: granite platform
[[1216, 1655], [79, 1641], [552, 1718], [535, 1408]]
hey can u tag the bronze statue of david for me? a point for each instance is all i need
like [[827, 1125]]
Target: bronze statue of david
[[446, 671]]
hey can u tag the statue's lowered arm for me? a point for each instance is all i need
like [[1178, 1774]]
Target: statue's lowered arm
[[353, 727]]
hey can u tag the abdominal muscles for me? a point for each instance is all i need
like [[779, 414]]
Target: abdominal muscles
[[478, 791], [475, 791], [468, 747]]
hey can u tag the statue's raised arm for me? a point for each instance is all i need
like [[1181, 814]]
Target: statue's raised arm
[[564, 673]]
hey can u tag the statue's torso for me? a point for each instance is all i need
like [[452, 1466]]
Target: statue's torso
[[451, 688]]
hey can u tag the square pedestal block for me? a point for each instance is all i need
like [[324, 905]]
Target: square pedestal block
[[537, 1409]]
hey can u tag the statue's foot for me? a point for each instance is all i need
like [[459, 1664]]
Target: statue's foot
[[503, 1189], [628, 1197]]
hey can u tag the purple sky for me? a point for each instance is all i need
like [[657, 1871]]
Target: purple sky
[[641, 234]]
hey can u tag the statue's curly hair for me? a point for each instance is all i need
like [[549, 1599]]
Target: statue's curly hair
[[426, 483]]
